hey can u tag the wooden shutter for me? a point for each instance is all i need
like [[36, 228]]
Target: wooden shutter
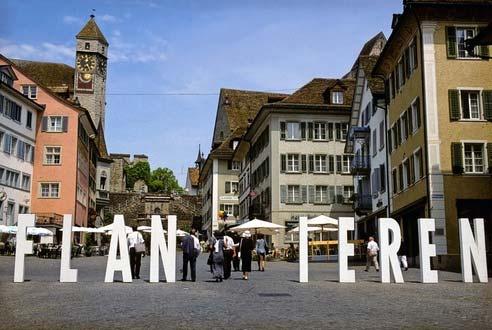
[[339, 164], [451, 41], [338, 131], [310, 131], [457, 157], [454, 104], [393, 84], [227, 187], [330, 131], [421, 164], [415, 53], [410, 120], [311, 194], [283, 194], [304, 196], [303, 131], [282, 130], [412, 170], [339, 194], [331, 193], [283, 163], [382, 172], [331, 164], [65, 124], [484, 49], [389, 146], [311, 163], [417, 103], [489, 156], [487, 104], [303, 163], [44, 124], [32, 154]]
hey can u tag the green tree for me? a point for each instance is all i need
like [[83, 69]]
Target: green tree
[[163, 180], [138, 171]]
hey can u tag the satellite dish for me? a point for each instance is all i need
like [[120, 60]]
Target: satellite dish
[[3, 196]]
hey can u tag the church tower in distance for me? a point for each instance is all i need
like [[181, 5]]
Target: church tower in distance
[[90, 70]]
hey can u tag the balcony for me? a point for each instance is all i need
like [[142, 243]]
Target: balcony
[[102, 197], [362, 203], [361, 165], [359, 133]]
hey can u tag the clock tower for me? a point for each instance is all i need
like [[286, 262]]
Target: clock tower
[[90, 70]]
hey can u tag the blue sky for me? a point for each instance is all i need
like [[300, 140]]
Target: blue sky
[[193, 47]]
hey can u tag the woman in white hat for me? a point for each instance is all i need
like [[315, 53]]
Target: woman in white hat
[[245, 248]]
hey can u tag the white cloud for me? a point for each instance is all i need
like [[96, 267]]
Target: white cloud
[[44, 51], [107, 18], [71, 20], [150, 49]]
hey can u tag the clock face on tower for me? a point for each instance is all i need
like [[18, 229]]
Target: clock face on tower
[[86, 63]]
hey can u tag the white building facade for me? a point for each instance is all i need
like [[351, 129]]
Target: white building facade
[[18, 120]]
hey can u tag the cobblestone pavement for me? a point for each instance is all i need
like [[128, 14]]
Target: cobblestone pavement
[[270, 299]]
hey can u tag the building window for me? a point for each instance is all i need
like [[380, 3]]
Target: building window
[[400, 74], [418, 164], [235, 166], [50, 190], [26, 182], [470, 105], [293, 131], [344, 127], [320, 163], [293, 194], [319, 131], [102, 180], [31, 91], [374, 142], [11, 178], [463, 34], [231, 187], [52, 155], [55, 124], [381, 135], [337, 97], [415, 115], [406, 174], [348, 191], [321, 194], [473, 157], [23, 209], [13, 110], [404, 126], [293, 163], [87, 45], [29, 120]]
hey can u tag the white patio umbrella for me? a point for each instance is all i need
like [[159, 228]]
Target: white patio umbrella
[[86, 230], [322, 221], [8, 229], [259, 226], [36, 231], [181, 233], [313, 229], [109, 229], [147, 229]]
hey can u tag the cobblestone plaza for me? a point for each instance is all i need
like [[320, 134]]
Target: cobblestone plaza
[[270, 299]]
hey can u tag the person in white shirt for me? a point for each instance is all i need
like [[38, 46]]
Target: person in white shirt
[[372, 254], [133, 239], [228, 255]]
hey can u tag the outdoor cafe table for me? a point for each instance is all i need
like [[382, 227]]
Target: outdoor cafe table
[[357, 246]]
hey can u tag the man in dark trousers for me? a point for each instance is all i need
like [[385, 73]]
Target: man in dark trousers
[[228, 254], [191, 249]]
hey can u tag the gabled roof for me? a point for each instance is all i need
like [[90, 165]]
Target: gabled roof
[[373, 47], [194, 175], [225, 148], [315, 91], [241, 106], [92, 32], [7, 69], [58, 77]]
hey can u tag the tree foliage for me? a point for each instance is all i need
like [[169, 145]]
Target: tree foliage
[[160, 180], [135, 172]]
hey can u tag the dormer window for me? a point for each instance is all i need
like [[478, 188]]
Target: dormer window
[[337, 97], [87, 45], [31, 91]]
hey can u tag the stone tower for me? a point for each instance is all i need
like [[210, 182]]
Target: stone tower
[[90, 70]]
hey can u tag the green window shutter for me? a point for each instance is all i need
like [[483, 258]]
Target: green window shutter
[[303, 131], [487, 104], [303, 163], [311, 194], [330, 131], [338, 131], [44, 124], [489, 156], [339, 164], [331, 164], [389, 145], [65, 124], [418, 112], [451, 41], [454, 104], [311, 163], [484, 49], [310, 131], [283, 163], [331, 193], [282, 130], [283, 194], [457, 157], [304, 194]]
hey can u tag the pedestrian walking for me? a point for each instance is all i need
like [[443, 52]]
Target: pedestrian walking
[[402, 252], [191, 250], [228, 254], [218, 257], [372, 254], [136, 244], [261, 251], [245, 248]]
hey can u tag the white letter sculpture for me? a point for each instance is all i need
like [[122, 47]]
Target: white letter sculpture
[[168, 253], [303, 250], [473, 250], [389, 252], [23, 246], [67, 274], [427, 250], [345, 250], [118, 239]]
